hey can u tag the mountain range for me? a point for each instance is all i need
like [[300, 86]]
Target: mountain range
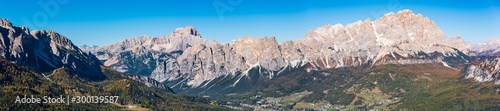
[[403, 60], [45, 51], [45, 63], [191, 64], [490, 47]]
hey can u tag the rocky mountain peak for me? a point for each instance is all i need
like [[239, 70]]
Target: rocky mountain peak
[[189, 30], [191, 61], [406, 16], [492, 41], [390, 30], [135, 40], [458, 42], [456, 37], [45, 51], [484, 71], [5, 22], [54, 37]]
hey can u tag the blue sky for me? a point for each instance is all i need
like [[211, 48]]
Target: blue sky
[[99, 22]]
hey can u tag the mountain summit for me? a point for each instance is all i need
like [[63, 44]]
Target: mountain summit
[[5, 23], [490, 47], [403, 29], [45, 51], [189, 30], [193, 64]]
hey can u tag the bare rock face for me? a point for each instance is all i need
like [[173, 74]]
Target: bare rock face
[[459, 43], [45, 51], [294, 53], [485, 71], [401, 29], [149, 82], [189, 62], [264, 51], [5, 23]]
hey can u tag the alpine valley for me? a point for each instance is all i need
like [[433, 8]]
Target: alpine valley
[[401, 61]]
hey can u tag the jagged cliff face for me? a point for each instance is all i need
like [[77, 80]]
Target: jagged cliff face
[[484, 71], [395, 38], [45, 51], [402, 33], [187, 60]]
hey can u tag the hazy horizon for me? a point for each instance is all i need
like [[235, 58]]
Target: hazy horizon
[[103, 22]]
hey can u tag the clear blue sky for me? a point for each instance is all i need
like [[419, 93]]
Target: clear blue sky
[[100, 22]]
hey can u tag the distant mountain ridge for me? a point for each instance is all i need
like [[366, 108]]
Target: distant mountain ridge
[[45, 51], [400, 61], [190, 62]]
